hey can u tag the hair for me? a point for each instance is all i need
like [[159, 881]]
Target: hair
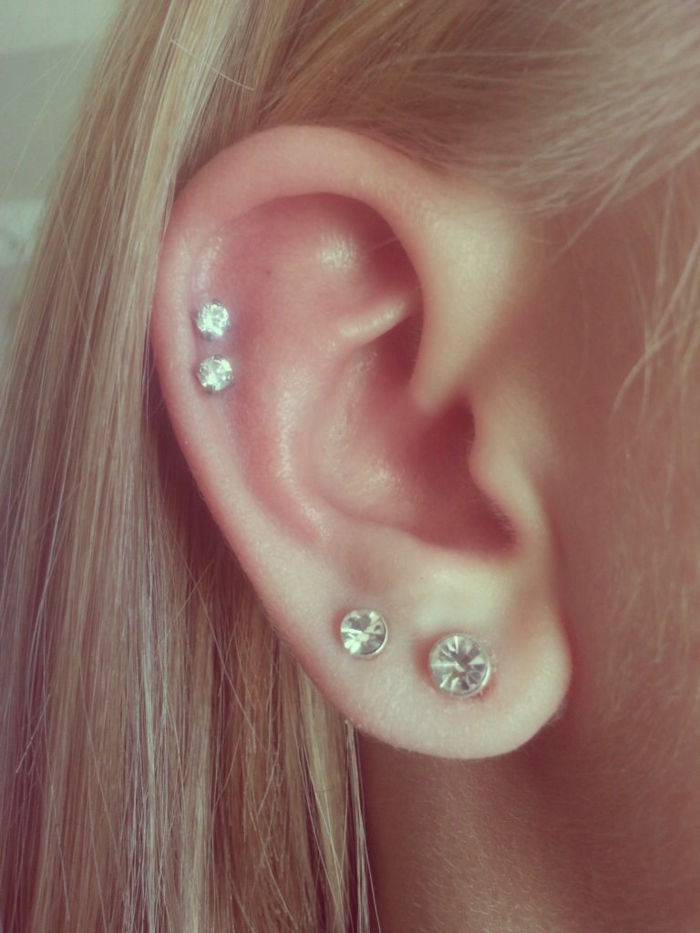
[[164, 763]]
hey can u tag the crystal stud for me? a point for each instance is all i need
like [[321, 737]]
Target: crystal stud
[[215, 374], [363, 633], [213, 320], [459, 666]]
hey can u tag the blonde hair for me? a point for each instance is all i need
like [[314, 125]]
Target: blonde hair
[[164, 763]]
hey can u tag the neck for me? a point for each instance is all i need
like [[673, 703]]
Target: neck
[[554, 837]]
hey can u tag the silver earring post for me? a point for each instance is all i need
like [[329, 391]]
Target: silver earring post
[[459, 666], [364, 633]]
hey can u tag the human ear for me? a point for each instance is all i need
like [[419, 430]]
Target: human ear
[[379, 445]]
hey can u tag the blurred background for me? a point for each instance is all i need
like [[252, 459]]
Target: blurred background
[[47, 48]]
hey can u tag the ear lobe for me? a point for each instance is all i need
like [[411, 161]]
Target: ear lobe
[[347, 464]]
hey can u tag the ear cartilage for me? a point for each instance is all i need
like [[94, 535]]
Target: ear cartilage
[[215, 374], [364, 633], [213, 320], [459, 666]]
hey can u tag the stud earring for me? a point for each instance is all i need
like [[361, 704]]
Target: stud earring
[[459, 666], [215, 374], [213, 320], [364, 633]]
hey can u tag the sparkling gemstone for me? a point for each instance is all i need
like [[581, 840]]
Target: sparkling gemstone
[[459, 666], [213, 320], [364, 633], [215, 373]]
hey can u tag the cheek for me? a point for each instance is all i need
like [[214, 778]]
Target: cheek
[[625, 490], [621, 491]]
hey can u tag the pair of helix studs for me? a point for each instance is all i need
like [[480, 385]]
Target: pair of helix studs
[[458, 665], [213, 321]]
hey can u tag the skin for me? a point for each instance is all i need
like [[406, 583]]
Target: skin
[[565, 799], [595, 824]]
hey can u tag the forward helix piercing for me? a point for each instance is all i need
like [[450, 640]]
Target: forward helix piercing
[[459, 666], [364, 633]]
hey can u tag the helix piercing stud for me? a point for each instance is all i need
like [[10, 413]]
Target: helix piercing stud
[[213, 320], [215, 374]]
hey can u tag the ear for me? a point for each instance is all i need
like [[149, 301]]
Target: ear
[[377, 447]]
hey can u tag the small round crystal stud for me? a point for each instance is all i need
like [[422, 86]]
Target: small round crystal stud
[[364, 633], [459, 666], [213, 320], [215, 374]]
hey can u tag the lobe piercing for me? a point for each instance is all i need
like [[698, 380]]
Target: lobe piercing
[[364, 633], [459, 666]]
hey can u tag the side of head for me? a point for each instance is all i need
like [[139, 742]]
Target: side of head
[[431, 238]]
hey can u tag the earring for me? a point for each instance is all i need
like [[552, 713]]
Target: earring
[[215, 374], [364, 633], [459, 666], [213, 320]]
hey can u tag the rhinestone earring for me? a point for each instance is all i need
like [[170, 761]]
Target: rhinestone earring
[[213, 320], [364, 633], [215, 374], [459, 666]]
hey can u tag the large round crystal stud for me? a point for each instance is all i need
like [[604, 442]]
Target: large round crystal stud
[[213, 320], [215, 374], [459, 666], [363, 633]]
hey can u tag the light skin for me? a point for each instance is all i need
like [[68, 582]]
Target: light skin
[[423, 421], [595, 824]]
